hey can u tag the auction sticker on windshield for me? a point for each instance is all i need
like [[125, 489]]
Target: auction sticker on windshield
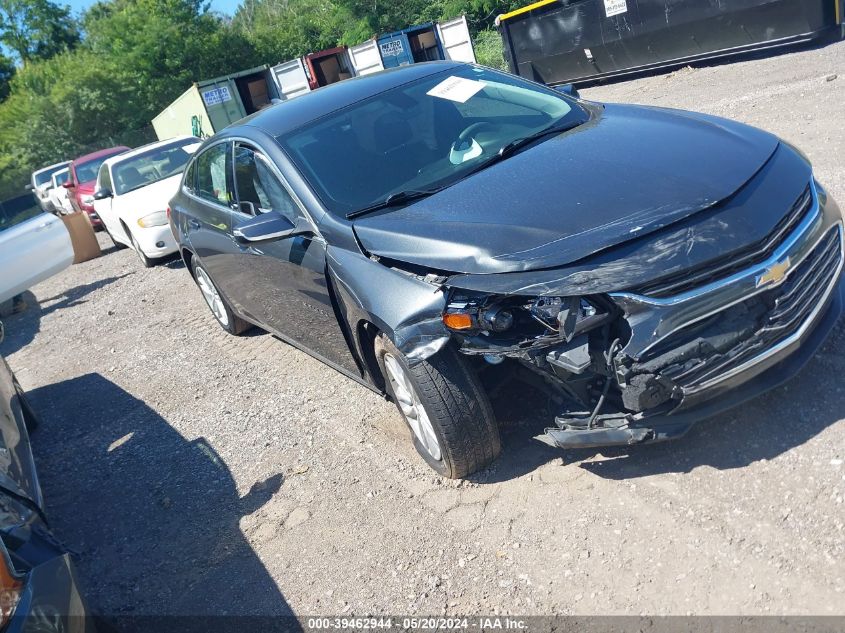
[[456, 89]]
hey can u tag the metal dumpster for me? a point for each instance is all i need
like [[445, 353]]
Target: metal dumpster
[[563, 41]]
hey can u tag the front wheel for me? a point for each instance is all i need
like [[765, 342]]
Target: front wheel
[[442, 402], [145, 261]]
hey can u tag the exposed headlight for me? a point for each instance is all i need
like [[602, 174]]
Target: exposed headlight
[[559, 315], [159, 218], [86, 199]]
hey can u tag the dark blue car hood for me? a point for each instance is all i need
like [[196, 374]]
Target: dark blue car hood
[[630, 171]]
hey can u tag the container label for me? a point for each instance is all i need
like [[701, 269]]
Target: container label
[[216, 95], [456, 89], [615, 7], [392, 48]]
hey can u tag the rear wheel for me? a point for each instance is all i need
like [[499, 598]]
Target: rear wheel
[[219, 308], [442, 402]]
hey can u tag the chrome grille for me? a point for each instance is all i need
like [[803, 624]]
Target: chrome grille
[[784, 309], [706, 273]]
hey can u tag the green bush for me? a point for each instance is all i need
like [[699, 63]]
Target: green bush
[[488, 49]]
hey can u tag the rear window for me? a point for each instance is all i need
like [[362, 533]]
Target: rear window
[[17, 210]]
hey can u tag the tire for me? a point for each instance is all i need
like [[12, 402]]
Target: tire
[[217, 303], [146, 261], [450, 395]]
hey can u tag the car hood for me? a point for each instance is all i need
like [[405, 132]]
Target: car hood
[[626, 173], [150, 198]]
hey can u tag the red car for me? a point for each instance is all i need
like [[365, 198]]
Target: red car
[[83, 177]]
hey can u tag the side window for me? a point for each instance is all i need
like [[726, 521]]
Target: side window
[[191, 178], [104, 178], [257, 185], [212, 183]]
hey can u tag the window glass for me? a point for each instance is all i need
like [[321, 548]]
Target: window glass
[[421, 135], [256, 184], [153, 165], [61, 177], [17, 210], [104, 180], [190, 182], [87, 172], [212, 183]]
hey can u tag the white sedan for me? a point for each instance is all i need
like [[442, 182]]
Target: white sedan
[[132, 193]]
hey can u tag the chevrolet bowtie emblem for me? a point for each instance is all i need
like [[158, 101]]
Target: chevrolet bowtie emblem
[[774, 274]]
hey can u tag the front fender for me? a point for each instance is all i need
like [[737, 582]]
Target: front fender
[[399, 304]]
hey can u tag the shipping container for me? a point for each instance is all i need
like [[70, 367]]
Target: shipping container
[[427, 42], [209, 106], [566, 41]]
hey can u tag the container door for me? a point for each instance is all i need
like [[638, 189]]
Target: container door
[[457, 44], [365, 58], [291, 79], [222, 103], [395, 50]]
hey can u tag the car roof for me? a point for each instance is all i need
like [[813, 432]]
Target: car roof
[[144, 148], [101, 152], [294, 113], [49, 167]]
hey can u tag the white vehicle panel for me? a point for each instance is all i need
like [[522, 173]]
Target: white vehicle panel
[[31, 252]]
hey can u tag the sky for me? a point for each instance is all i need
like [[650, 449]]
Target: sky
[[223, 6]]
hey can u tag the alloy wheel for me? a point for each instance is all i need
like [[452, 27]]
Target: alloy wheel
[[212, 297], [412, 409]]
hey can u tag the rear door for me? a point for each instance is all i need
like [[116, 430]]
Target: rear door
[[365, 58], [33, 245], [457, 44], [282, 283], [291, 78]]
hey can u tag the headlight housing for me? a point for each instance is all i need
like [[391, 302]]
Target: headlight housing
[[563, 316], [86, 199], [159, 218]]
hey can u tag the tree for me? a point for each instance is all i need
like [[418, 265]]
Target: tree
[[36, 29], [7, 71]]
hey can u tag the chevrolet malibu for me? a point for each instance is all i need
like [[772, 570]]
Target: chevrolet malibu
[[646, 267]]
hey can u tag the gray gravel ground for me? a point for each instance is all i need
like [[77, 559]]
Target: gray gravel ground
[[200, 473]]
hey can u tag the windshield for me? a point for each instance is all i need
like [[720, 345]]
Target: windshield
[[422, 135], [60, 178], [153, 165], [86, 172], [43, 177]]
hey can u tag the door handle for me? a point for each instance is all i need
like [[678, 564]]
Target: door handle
[[194, 224], [43, 226]]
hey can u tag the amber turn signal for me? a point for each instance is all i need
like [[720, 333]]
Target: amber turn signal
[[457, 321]]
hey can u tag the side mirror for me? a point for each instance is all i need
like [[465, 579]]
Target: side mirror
[[569, 90], [29, 187], [102, 194], [68, 184], [267, 226]]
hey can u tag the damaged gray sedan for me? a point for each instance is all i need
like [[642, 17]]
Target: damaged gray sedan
[[648, 268]]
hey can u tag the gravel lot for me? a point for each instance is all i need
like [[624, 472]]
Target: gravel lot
[[200, 473]]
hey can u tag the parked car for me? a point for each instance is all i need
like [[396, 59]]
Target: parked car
[[38, 582], [132, 193], [646, 267], [59, 199], [34, 245], [40, 184], [83, 177]]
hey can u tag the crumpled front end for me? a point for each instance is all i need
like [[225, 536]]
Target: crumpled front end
[[644, 363]]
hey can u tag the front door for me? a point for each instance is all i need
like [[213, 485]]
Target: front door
[[283, 282]]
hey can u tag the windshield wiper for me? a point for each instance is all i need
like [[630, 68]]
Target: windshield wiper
[[392, 200], [509, 149]]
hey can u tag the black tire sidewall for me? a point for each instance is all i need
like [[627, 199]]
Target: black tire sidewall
[[442, 466], [230, 327]]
